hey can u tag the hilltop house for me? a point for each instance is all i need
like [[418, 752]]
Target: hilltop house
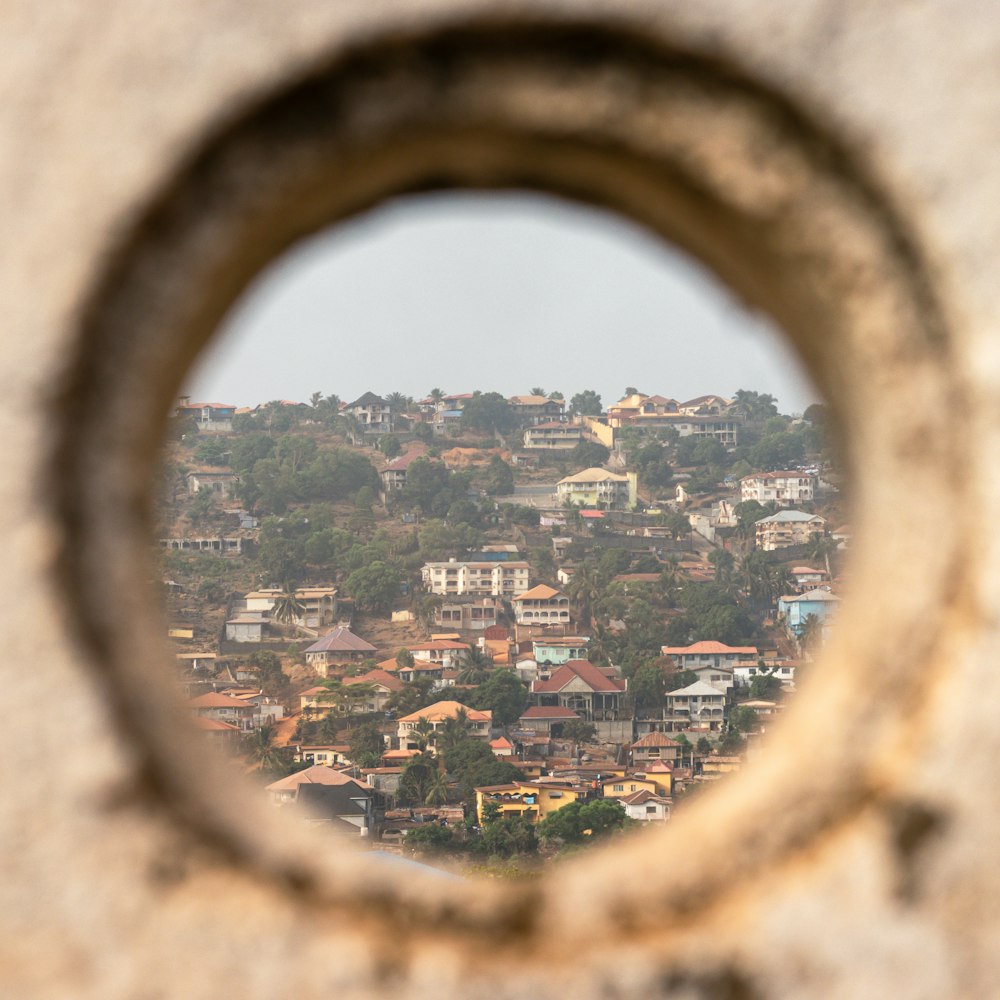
[[786, 528], [372, 412], [783, 488], [708, 653], [340, 645], [542, 605], [479, 724], [536, 409], [697, 706], [393, 476], [483, 578], [211, 418], [820, 603], [581, 687], [553, 435], [599, 488]]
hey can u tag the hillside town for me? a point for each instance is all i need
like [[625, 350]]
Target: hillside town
[[488, 630]]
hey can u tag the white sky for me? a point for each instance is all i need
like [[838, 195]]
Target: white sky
[[492, 292]]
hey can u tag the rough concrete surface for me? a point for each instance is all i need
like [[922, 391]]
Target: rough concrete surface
[[833, 161]]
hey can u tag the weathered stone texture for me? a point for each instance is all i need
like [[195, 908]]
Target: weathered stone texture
[[834, 161]]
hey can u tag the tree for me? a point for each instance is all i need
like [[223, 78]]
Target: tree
[[589, 454], [262, 751], [725, 566], [631, 390], [703, 746], [488, 412], [586, 403], [648, 687], [576, 821], [744, 720], [504, 695], [404, 658], [437, 790], [498, 480], [366, 745], [507, 836], [418, 775], [765, 686], [579, 731], [679, 679], [374, 587], [287, 607], [754, 405], [429, 838], [389, 445]]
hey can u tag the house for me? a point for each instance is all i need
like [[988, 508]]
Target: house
[[246, 628], [393, 476], [329, 796], [547, 719], [786, 528], [536, 409], [697, 706], [655, 746], [620, 786], [317, 605], [223, 736], [580, 686], [378, 687], [483, 578], [479, 724], [705, 416], [708, 653], [646, 807], [372, 412], [328, 754], [555, 652], [744, 673], [468, 614], [340, 645], [542, 605], [820, 603], [211, 418], [222, 708], [215, 481], [806, 578], [446, 653], [502, 747], [720, 677], [532, 799], [599, 488], [553, 435], [786, 489]]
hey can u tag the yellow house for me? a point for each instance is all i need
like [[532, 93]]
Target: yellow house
[[662, 776], [534, 799], [619, 788], [599, 488]]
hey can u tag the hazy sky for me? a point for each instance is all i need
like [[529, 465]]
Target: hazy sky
[[491, 292]]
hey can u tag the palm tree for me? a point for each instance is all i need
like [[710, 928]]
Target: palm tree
[[421, 733], [437, 790], [812, 632], [262, 751], [537, 391], [437, 395], [287, 607], [584, 588], [453, 731], [822, 547], [725, 564]]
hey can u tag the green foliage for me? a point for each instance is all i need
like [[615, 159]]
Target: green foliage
[[471, 763], [438, 540], [579, 731], [731, 743], [577, 822], [648, 687], [212, 451], [516, 514], [504, 694], [651, 462], [489, 413], [589, 454], [766, 687], [430, 839], [432, 488], [507, 836], [586, 403], [415, 782], [389, 445], [374, 587], [755, 405], [743, 720], [498, 480], [703, 745], [679, 679], [271, 677], [612, 562], [367, 745]]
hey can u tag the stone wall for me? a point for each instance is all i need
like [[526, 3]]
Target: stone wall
[[832, 161]]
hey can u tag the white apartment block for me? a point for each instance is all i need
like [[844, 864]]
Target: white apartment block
[[786, 489], [487, 579]]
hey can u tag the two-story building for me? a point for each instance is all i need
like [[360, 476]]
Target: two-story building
[[786, 489], [211, 418], [583, 688], [532, 799], [556, 652], [542, 605], [821, 604], [553, 435], [373, 413], [708, 653], [496, 579], [393, 476], [479, 724], [697, 706], [447, 653], [223, 708], [468, 614], [340, 645], [787, 528], [599, 488], [536, 409]]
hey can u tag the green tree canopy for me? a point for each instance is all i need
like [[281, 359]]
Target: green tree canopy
[[488, 412], [577, 822], [503, 694], [586, 403]]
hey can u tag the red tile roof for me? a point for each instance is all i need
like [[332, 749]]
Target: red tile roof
[[548, 712], [376, 676], [215, 700], [706, 646], [586, 671]]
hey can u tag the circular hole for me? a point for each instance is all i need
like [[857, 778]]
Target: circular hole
[[728, 169]]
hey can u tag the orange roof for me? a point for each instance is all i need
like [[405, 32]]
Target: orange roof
[[586, 671], [318, 774], [706, 646], [214, 725], [215, 700], [382, 677], [438, 644], [501, 744], [447, 710], [539, 593]]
